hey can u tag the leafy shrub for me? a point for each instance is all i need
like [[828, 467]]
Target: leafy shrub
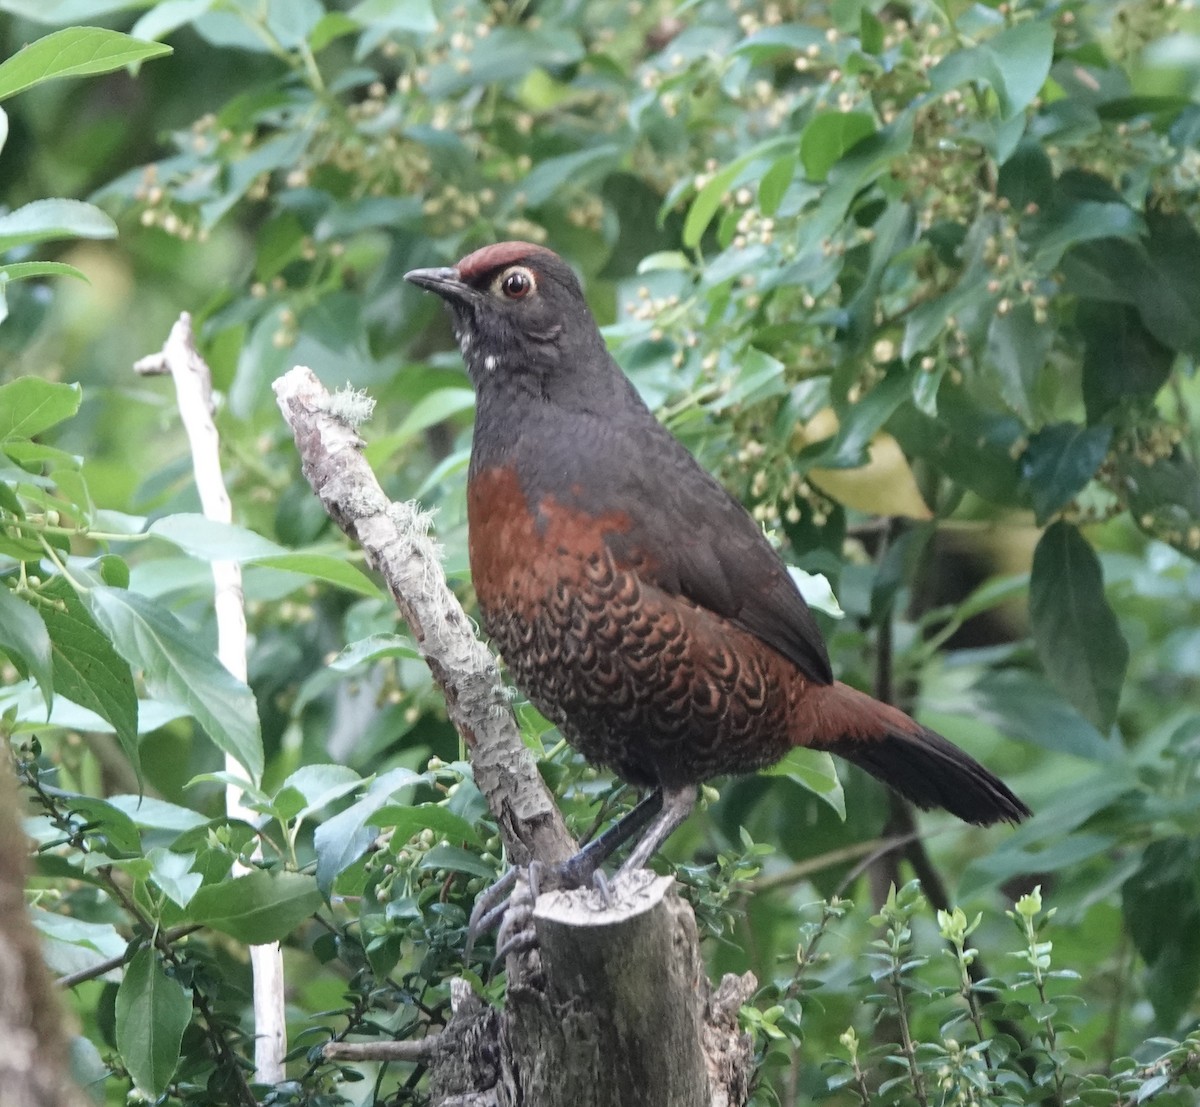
[[930, 262]]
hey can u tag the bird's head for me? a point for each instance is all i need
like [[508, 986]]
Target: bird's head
[[520, 316]]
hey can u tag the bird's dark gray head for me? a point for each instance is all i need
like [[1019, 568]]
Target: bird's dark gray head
[[520, 318]]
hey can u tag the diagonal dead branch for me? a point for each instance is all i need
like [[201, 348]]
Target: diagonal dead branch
[[396, 540]]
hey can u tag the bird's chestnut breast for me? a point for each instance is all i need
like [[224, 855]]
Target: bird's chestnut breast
[[521, 551], [645, 682]]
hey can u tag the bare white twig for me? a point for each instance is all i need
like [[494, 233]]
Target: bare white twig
[[193, 395]]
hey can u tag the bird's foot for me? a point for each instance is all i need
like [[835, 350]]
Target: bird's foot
[[507, 906], [509, 902]]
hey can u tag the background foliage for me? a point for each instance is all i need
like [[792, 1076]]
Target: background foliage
[[938, 262]]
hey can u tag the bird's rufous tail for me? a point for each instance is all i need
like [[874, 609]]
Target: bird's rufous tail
[[917, 762]]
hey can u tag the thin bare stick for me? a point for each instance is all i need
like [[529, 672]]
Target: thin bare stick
[[417, 1049], [193, 395], [81, 976]]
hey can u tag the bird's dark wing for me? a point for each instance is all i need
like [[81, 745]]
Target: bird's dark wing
[[689, 537]]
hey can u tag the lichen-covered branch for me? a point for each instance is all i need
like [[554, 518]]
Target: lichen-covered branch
[[396, 541]]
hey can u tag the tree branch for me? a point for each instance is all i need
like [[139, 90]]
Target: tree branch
[[100, 968], [396, 540]]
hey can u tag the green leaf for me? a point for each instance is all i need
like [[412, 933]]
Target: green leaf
[[1022, 56], [414, 16], [73, 52], [332, 570], [172, 872], [1066, 852], [710, 197], [24, 638], [828, 137], [814, 771], [75, 943], [857, 424], [1015, 63], [59, 12], [1106, 269], [259, 907], [435, 407], [1017, 346], [182, 671], [318, 786], [1075, 631], [155, 814], [373, 648], [215, 541], [292, 21], [30, 405], [329, 28], [664, 261], [1168, 293], [405, 821], [1024, 706], [111, 830], [168, 16], [1027, 177], [152, 1012], [342, 840], [774, 183], [211, 540], [457, 860], [23, 270], [579, 169], [1059, 461], [45, 219], [971, 447], [1079, 221], [508, 55], [87, 669], [37, 456], [787, 38], [1123, 362], [1162, 910], [1164, 496]]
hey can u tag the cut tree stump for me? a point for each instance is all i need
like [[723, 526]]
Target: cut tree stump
[[611, 1009]]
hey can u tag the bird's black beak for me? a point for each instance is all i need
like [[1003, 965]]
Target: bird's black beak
[[445, 282]]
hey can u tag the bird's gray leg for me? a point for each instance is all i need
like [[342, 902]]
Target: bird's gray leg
[[578, 870], [677, 804]]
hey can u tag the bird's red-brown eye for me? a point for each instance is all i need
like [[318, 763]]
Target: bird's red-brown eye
[[516, 283]]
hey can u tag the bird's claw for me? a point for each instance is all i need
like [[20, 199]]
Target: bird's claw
[[507, 906], [515, 933], [489, 908], [603, 889]]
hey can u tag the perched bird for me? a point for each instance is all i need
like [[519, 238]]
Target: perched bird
[[635, 601]]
